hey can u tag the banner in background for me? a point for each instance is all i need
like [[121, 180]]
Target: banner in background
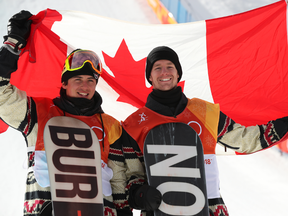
[[238, 61]]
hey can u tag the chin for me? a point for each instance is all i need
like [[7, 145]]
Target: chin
[[166, 88]]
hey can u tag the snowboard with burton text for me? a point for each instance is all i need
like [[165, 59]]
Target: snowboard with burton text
[[74, 163]]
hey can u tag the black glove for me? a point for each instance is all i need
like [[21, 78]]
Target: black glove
[[145, 197], [124, 212], [18, 28], [281, 126]]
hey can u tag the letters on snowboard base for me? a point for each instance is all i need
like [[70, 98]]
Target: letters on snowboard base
[[174, 160], [74, 163]]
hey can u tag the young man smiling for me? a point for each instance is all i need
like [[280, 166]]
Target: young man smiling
[[82, 86], [78, 99], [166, 103]]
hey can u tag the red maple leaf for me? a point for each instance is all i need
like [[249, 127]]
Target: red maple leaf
[[129, 76]]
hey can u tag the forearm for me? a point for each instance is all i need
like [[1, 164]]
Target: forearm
[[8, 63], [135, 172], [250, 139], [16, 109], [116, 162], [13, 105]]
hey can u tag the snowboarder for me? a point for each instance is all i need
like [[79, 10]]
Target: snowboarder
[[78, 99], [167, 103]]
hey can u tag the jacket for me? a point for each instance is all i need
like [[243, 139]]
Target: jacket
[[224, 131]]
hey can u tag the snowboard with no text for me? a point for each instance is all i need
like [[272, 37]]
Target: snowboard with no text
[[74, 163], [174, 161]]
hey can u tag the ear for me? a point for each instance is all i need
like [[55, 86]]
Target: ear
[[150, 79], [64, 86]]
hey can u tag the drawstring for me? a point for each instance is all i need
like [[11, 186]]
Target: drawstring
[[102, 131]]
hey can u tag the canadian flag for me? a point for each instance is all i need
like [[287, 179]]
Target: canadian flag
[[238, 61]]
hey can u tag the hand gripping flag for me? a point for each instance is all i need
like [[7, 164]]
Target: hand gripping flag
[[238, 61]]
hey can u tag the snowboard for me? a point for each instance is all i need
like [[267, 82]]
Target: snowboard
[[74, 164], [174, 160]]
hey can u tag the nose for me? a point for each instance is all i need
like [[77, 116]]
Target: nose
[[84, 85], [164, 70]]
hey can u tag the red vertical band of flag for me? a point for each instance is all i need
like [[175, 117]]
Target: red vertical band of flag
[[247, 64]]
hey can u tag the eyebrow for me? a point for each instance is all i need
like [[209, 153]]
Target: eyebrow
[[80, 76], [155, 65]]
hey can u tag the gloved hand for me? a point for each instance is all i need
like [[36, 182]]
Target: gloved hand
[[145, 197], [18, 29]]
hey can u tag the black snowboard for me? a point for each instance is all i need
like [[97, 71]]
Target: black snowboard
[[174, 160]]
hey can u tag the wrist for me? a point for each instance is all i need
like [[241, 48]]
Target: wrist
[[132, 197], [13, 45]]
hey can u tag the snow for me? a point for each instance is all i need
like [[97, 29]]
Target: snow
[[250, 185], [254, 184]]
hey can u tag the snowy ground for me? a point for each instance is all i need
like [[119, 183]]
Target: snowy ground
[[255, 184], [251, 185]]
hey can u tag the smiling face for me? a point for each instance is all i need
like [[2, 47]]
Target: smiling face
[[80, 86], [164, 75]]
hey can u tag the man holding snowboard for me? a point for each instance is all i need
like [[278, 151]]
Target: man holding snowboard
[[78, 99], [167, 104]]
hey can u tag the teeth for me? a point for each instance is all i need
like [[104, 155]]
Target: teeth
[[165, 79], [84, 94]]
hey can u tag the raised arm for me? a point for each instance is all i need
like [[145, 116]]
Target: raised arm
[[15, 107], [250, 139]]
